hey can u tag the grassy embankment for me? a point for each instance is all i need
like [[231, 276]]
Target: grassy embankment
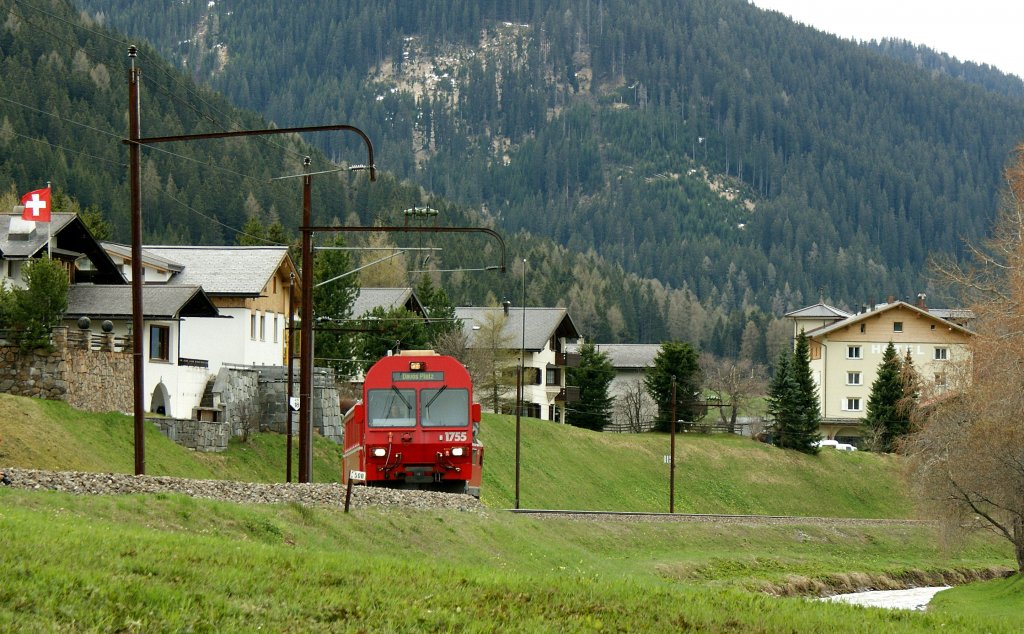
[[171, 563]]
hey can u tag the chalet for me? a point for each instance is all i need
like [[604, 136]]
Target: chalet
[[846, 350], [544, 334], [66, 239], [256, 288]]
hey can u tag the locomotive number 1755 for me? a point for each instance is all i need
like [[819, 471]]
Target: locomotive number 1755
[[453, 436]]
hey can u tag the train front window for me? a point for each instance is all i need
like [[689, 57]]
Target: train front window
[[391, 408], [444, 407]]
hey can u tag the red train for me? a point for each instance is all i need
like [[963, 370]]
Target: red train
[[416, 426]]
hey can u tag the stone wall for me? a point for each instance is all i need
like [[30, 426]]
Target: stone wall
[[325, 415], [195, 434], [89, 380]]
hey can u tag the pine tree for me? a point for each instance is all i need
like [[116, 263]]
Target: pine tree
[[592, 376]]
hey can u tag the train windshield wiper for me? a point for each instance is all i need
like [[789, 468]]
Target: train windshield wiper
[[434, 398]]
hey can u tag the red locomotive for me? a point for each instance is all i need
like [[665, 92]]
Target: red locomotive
[[416, 426]]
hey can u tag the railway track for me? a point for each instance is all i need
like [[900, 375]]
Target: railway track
[[720, 518]]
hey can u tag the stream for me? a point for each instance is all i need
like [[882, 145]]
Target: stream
[[912, 599]]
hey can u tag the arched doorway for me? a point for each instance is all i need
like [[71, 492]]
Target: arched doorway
[[161, 402]]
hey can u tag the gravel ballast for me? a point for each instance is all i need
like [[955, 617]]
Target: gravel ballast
[[81, 483]]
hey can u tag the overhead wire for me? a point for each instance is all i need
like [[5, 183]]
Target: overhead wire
[[67, 149]]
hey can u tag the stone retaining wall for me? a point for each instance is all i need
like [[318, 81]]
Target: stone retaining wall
[[89, 380], [195, 434]]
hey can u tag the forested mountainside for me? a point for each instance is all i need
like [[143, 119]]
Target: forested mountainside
[[940, 63], [63, 115], [707, 143]]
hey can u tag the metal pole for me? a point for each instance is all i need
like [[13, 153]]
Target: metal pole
[[672, 455], [306, 362], [520, 384], [135, 178], [291, 374]]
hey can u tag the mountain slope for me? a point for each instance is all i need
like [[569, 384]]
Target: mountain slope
[[709, 144]]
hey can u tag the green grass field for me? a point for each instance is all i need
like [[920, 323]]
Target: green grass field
[[163, 563]]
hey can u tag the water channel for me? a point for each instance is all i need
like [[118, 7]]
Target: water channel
[[912, 599]]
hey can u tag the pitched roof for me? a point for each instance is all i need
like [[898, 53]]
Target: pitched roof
[[148, 258], [238, 271], [386, 298], [541, 324], [23, 239], [854, 319], [109, 301], [625, 356], [818, 311]]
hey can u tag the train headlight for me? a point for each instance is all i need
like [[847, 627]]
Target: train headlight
[[380, 452], [457, 451]]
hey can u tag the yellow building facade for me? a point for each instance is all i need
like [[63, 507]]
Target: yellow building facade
[[846, 351]]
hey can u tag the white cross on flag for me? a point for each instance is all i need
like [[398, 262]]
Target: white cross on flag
[[37, 205]]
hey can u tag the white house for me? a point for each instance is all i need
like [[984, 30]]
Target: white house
[[255, 288], [631, 362], [173, 383], [544, 334]]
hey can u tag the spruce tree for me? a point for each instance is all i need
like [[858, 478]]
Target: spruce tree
[[808, 412], [781, 399], [678, 359], [893, 397], [592, 376], [793, 400]]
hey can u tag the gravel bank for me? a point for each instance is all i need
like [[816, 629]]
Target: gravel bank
[[81, 483]]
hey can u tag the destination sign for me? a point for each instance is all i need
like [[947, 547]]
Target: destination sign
[[417, 376]]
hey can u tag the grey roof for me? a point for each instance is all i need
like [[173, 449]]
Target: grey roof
[[386, 298], [238, 271], [541, 325], [818, 311], [29, 237], [125, 251], [71, 240], [158, 302], [953, 314], [625, 356]]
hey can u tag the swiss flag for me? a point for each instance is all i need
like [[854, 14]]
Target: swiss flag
[[37, 205]]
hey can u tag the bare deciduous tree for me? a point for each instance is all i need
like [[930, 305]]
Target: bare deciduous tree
[[636, 406], [968, 457], [734, 382]]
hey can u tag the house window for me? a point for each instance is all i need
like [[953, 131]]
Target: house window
[[897, 326], [252, 326], [853, 378], [160, 343], [554, 376], [863, 328], [940, 380], [851, 404], [852, 352], [275, 327], [263, 327], [941, 354]]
